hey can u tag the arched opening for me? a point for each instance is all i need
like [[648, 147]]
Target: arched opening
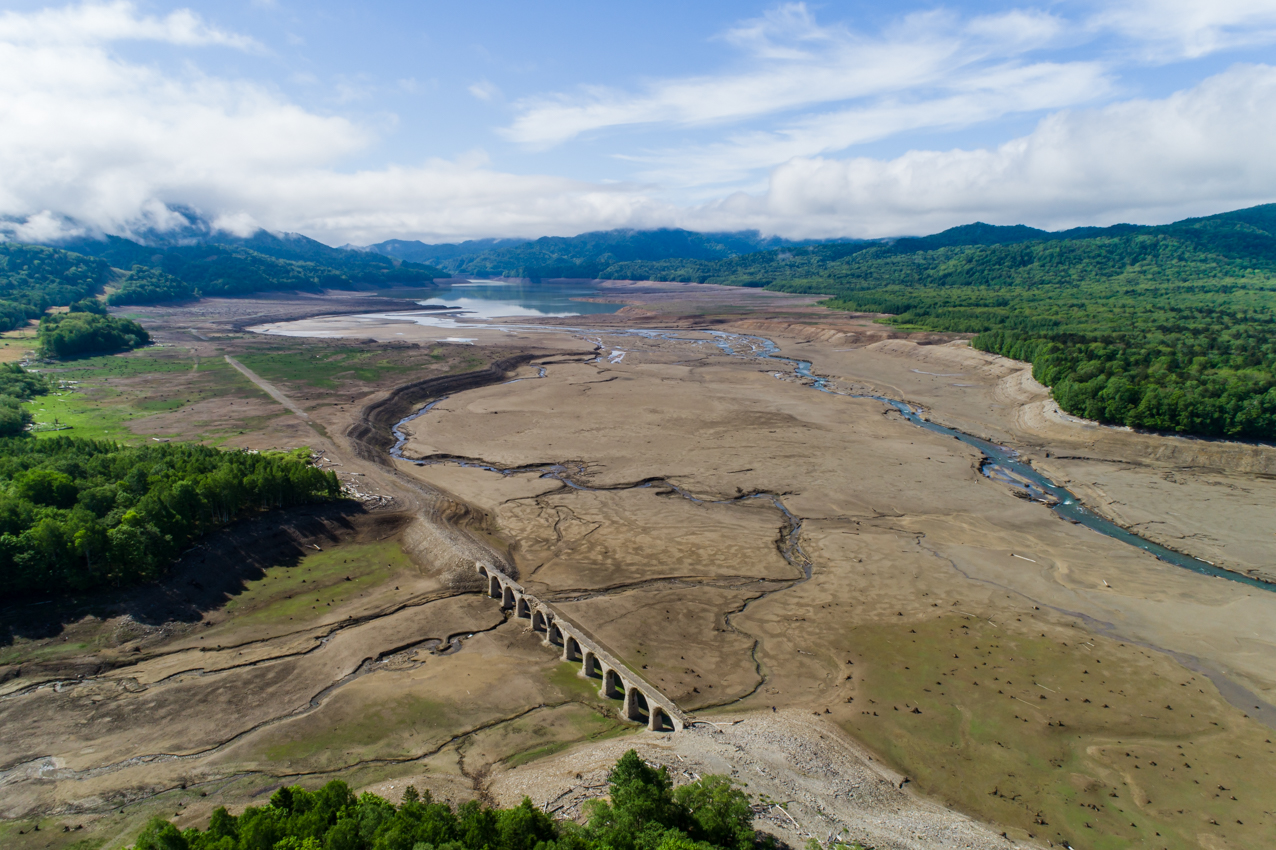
[[482, 570], [611, 685], [659, 720], [538, 621], [636, 708], [522, 609], [555, 634], [494, 588], [590, 668], [571, 649], [507, 598]]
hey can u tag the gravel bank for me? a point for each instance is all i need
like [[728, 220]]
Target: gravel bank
[[825, 783]]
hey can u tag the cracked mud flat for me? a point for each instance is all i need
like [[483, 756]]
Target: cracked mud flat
[[636, 532], [689, 492]]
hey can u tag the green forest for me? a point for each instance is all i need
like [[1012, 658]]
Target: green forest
[[146, 285], [644, 812], [229, 266], [16, 386], [34, 278], [1168, 328], [79, 514], [73, 334]]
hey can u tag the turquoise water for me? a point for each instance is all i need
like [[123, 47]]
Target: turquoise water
[[485, 299]]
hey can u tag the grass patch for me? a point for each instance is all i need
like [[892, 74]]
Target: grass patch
[[365, 728], [319, 581], [537, 753], [327, 369], [542, 733], [23, 834], [23, 651], [564, 677], [115, 390], [1099, 744]]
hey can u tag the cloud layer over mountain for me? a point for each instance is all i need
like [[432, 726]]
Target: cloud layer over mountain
[[787, 138]]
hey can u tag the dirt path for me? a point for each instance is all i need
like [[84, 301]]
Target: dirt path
[[268, 388]]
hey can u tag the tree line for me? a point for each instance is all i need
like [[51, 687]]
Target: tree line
[[78, 333], [223, 265], [1169, 328], [644, 812], [79, 514], [34, 278]]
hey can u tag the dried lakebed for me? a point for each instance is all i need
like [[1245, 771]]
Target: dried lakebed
[[1000, 463]]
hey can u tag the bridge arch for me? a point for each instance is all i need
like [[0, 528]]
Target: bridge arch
[[659, 720], [571, 648], [612, 687], [636, 705], [640, 701]]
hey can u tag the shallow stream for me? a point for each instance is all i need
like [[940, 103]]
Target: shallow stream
[[1003, 464], [1000, 463]]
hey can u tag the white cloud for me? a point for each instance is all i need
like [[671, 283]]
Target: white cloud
[[1165, 30], [974, 98], [795, 63], [89, 136], [99, 23], [484, 90], [94, 137], [1205, 148]]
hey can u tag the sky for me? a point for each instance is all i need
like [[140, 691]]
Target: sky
[[356, 123]]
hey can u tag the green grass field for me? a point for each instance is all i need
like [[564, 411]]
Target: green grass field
[[112, 391], [328, 369], [366, 729], [1103, 745], [291, 593]]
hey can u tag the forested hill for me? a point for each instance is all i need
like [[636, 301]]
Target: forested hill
[[1169, 328], [226, 265], [34, 278], [420, 252], [588, 255]]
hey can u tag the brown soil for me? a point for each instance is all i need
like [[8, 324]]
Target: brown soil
[[1002, 660]]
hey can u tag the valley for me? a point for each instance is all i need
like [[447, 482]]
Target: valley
[[871, 632]]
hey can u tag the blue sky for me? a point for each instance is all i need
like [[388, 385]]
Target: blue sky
[[449, 121]]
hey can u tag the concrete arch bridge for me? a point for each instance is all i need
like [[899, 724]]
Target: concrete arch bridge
[[641, 701]]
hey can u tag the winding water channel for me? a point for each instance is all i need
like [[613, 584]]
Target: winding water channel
[[1000, 463]]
